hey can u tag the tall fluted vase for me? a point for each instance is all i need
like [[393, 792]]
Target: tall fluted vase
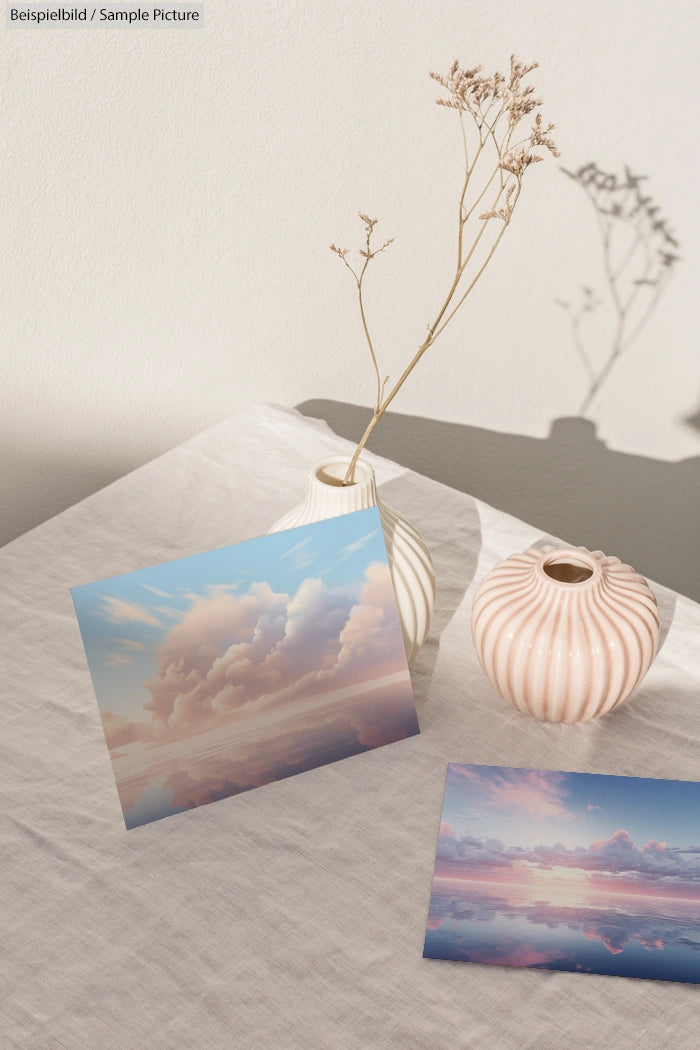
[[565, 634], [409, 560]]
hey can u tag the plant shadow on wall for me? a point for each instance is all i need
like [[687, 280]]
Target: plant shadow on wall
[[639, 255]]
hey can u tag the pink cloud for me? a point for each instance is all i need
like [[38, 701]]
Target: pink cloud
[[217, 625], [613, 925], [446, 830], [614, 865], [262, 761], [532, 792], [230, 762], [120, 731], [522, 955], [615, 943], [435, 922], [117, 611], [229, 650], [265, 650], [386, 706]]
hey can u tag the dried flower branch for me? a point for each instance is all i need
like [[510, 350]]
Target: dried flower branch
[[639, 253], [490, 108]]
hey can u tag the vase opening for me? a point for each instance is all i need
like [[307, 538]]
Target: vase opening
[[328, 479], [332, 472], [568, 570]]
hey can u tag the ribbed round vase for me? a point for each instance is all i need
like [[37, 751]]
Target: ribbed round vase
[[409, 560], [563, 633]]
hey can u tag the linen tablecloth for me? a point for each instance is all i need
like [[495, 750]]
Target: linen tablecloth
[[292, 915]]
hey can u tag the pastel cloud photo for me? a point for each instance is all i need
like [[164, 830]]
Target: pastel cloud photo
[[568, 871], [227, 670]]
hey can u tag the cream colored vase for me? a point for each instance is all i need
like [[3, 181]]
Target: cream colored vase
[[409, 561], [565, 634]]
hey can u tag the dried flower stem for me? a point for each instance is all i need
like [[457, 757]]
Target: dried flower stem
[[476, 95]]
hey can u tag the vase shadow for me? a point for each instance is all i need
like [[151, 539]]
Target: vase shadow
[[569, 484], [693, 419]]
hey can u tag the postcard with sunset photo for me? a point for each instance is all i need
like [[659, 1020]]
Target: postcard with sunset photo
[[225, 671], [568, 871]]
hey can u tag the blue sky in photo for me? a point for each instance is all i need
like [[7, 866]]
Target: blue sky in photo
[[123, 619]]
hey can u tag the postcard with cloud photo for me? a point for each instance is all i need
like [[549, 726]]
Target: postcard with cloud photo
[[568, 871], [224, 671]]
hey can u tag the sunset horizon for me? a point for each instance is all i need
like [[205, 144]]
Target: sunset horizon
[[569, 871]]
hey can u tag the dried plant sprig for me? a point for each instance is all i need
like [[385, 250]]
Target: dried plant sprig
[[490, 108], [367, 253]]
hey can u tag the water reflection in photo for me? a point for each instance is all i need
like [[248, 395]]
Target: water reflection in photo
[[557, 889]]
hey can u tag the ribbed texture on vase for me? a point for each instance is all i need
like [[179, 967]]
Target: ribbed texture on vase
[[413, 577], [565, 649], [409, 561]]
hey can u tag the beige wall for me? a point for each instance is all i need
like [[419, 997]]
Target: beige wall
[[169, 195]]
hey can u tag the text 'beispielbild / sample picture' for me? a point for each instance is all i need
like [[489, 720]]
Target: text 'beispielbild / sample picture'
[[227, 670], [568, 871]]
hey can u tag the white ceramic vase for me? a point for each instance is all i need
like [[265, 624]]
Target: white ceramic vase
[[409, 560], [565, 634]]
